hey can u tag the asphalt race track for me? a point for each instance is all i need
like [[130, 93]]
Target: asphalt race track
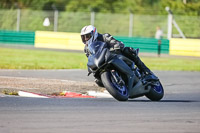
[[177, 112]]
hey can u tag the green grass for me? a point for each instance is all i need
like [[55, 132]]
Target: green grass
[[173, 63], [41, 59]]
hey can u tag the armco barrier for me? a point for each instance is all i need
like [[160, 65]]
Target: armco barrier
[[14, 37], [185, 47], [72, 41], [148, 45], [58, 40]]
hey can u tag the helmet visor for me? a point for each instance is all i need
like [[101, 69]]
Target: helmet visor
[[86, 37]]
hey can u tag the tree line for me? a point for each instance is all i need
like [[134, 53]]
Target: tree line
[[154, 7]]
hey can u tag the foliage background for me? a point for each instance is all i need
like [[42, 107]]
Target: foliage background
[[154, 7], [110, 15]]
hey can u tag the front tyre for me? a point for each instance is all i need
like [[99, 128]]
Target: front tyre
[[156, 93], [119, 92]]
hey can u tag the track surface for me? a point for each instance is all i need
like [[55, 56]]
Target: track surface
[[178, 112]]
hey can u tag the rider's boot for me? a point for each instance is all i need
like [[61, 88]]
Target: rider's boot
[[132, 54], [149, 75]]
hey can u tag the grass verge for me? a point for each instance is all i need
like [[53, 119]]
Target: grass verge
[[42, 59]]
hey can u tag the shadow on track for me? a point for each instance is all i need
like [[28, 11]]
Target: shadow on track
[[165, 101]]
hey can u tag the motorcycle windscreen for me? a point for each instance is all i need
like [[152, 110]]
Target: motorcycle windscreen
[[96, 46]]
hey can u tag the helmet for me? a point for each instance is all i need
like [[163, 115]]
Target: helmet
[[89, 34]]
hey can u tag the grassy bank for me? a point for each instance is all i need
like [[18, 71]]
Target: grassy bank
[[41, 59], [38, 59]]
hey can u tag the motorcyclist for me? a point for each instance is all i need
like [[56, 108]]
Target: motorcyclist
[[89, 34]]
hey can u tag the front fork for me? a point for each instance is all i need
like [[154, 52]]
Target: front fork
[[117, 78]]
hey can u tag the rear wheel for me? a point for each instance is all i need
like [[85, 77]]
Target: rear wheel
[[156, 93], [118, 91]]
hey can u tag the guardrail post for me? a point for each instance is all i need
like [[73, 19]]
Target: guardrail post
[[169, 31], [131, 25], [92, 19], [55, 20], [18, 19]]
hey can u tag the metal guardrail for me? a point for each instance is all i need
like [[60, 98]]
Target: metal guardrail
[[14, 37]]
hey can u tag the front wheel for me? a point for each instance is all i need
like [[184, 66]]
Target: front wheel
[[156, 92], [118, 91]]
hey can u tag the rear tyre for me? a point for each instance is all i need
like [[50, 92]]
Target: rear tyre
[[156, 93], [119, 92]]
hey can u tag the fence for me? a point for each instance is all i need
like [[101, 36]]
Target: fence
[[116, 24]]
